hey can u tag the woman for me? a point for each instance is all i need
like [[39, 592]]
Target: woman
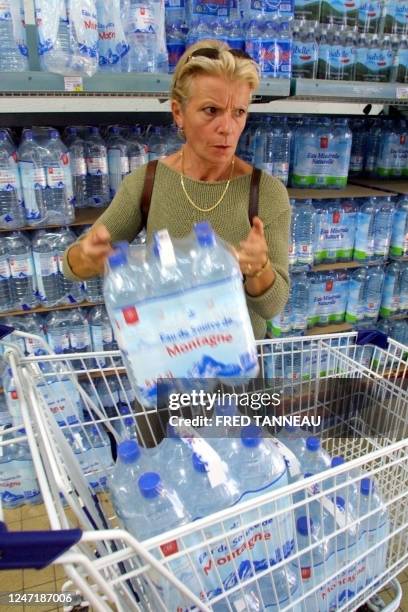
[[210, 97]]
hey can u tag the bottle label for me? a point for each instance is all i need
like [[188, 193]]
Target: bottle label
[[399, 237], [175, 51], [97, 166], [402, 62], [204, 339], [321, 162], [8, 180], [390, 299], [308, 10], [327, 302], [5, 11], [142, 20], [137, 161], [78, 166], [33, 181], [59, 341], [339, 12], [336, 62], [5, 273], [21, 266], [83, 18], [208, 8], [268, 6], [304, 58], [112, 44], [283, 59], [375, 64], [46, 264], [80, 339], [355, 302], [55, 177], [304, 253], [369, 16]]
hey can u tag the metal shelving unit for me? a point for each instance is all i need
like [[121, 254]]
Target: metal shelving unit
[[83, 216], [350, 91], [45, 309]]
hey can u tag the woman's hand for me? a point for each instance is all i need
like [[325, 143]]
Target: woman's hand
[[87, 258], [254, 262]]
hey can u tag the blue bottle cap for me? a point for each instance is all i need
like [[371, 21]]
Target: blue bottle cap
[[128, 421], [251, 435], [3, 136], [312, 444], [340, 502], [114, 129], [121, 245], [93, 130], [366, 486], [308, 474], [22, 431], [204, 234], [337, 461], [304, 525], [72, 130], [28, 134], [117, 259], [128, 451], [53, 134], [199, 464], [150, 484]]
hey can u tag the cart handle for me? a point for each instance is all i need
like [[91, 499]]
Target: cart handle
[[34, 549], [372, 336]]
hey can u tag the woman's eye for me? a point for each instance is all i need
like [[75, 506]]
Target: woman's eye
[[239, 112], [210, 110]]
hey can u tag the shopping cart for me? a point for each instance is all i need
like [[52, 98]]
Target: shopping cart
[[355, 382]]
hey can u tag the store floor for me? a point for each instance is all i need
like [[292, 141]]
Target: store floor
[[51, 579]]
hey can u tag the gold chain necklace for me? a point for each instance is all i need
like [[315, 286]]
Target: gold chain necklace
[[188, 197]]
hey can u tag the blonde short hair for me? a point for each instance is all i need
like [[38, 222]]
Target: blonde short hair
[[226, 65]]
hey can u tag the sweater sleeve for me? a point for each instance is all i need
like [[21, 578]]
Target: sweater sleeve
[[122, 218], [274, 210]]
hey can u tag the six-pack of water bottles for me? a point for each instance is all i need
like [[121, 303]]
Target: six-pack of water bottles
[[182, 305]]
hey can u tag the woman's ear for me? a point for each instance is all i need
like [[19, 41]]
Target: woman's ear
[[177, 113]]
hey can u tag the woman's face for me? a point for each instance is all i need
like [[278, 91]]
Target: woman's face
[[214, 116]]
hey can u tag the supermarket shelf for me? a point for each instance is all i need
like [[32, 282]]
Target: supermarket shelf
[[343, 265], [349, 91], [43, 309], [37, 83], [83, 216], [350, 191], [396, 317], [396, 186], [336, 328]]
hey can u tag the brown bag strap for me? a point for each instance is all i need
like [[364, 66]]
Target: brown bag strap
[[147, 191], [254, 194]]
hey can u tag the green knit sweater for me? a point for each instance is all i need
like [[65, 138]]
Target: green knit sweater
[[170, 209]]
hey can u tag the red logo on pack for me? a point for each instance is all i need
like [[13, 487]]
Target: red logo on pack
[[324, 142], [306, 573], [329, 285], [169, 548], [402, 139], [14, 395], [130, 315], [336, 217]]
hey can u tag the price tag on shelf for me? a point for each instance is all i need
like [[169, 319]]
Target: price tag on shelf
[[402, 93], [73, 83]]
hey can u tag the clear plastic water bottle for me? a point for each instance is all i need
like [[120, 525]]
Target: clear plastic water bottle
[[404, 290], [46, 268], [144, 28], [34, 324], [399, 234], [156, 144], [390, 300], [176, 43], [33, 179], [57, 326], [6, 288], [304, 226], [383, 219], [70, 291], [373, 292], [77, 153], [97, 169], [357, 148], [126, 473], [376, 526], [22, 271], [94, 289], [355, 309], [12, 493], [137, 150], [314, 459], [57, 57], [118, 159], [11, 199], [235, 35], [300, 297], [58, 194], [79, 335], [25, 467], [112, 43], [13, 46], [101, 332], [86, 456], [364, 237], [99, 441]]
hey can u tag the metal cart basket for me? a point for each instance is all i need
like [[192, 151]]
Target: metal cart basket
[[356, 383]]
